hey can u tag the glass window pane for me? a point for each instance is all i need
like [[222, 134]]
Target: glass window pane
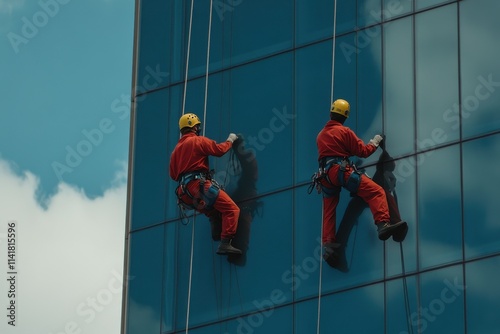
[[264, 38], [441, 301], [312, 95], [145, 281], [479, 25], [439, 201], [400, 316], [345, 74], [346, 16], [369, 12], [481, 209], [404, 194], [339, 311], [398, 86], [155, 44], [369, 86], [368, 306], [271, 320], [483, 295], [150, 171], [314, 20], [394, 8], [222, 289], [436, 74], [262, 110], [421, 4], [169, 283]]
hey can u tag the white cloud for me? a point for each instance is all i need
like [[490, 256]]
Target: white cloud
[[69, 257]]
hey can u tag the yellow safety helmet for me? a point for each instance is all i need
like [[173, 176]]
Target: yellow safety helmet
[[188, 121], [341, 107]]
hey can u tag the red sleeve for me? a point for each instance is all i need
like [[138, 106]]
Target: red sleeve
[[357, 147], [210, 147]]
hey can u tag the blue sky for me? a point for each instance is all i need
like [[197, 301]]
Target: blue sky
[[65, 81]]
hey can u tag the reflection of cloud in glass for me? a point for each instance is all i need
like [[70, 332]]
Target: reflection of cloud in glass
[[481, 175], [480, 50]]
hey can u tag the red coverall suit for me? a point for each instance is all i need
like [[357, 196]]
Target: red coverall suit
[[191, 155], [336, 140]]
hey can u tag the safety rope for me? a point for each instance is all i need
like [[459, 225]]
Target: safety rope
[[203, 133], [405, 288], [320, 273], [190, 276], [207, 66], [322, 215], [187, 58], [194, 217], [334, 40]]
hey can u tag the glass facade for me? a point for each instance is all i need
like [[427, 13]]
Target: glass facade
[[422, 72]]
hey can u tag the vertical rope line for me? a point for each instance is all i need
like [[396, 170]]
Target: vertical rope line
[[334, 40], [320, 274], [204, 124], [208, 62], [187, 57], [320, 287], [194, 217], [190, 276], [405, 287]]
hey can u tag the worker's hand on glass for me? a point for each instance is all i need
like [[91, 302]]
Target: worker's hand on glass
[[232, 137], [376, 140]]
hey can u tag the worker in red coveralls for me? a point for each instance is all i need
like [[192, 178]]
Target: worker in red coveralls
[[197, 190], [336, 143]]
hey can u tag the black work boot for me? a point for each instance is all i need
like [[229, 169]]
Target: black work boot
[[334, 255], [225, 248], [386, 229], [400, 234]]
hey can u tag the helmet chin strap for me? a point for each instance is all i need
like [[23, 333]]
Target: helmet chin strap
[[197, 129]]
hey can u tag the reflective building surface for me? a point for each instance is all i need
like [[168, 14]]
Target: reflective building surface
[[422, 72]]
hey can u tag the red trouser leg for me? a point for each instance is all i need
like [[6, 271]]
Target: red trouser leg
[[374, 196], [223, 204], [330, 202], [230, 213], [329, 218]]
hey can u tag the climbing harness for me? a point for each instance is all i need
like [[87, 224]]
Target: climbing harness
[[352, 183], [208, 195]]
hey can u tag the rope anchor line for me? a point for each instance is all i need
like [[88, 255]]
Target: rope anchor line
[[203, 133], [318, 327]]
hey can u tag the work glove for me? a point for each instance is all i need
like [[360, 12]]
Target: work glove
[[232, 137], [376, 140]]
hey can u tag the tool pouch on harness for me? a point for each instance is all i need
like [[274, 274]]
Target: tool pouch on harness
[[207, 196], [352, 183]]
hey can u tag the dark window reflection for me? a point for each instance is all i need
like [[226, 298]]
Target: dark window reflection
[[150, 169], [145, 281], [224, 287], [439, 201], [480, 184], [483, 294], [480, 72]]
